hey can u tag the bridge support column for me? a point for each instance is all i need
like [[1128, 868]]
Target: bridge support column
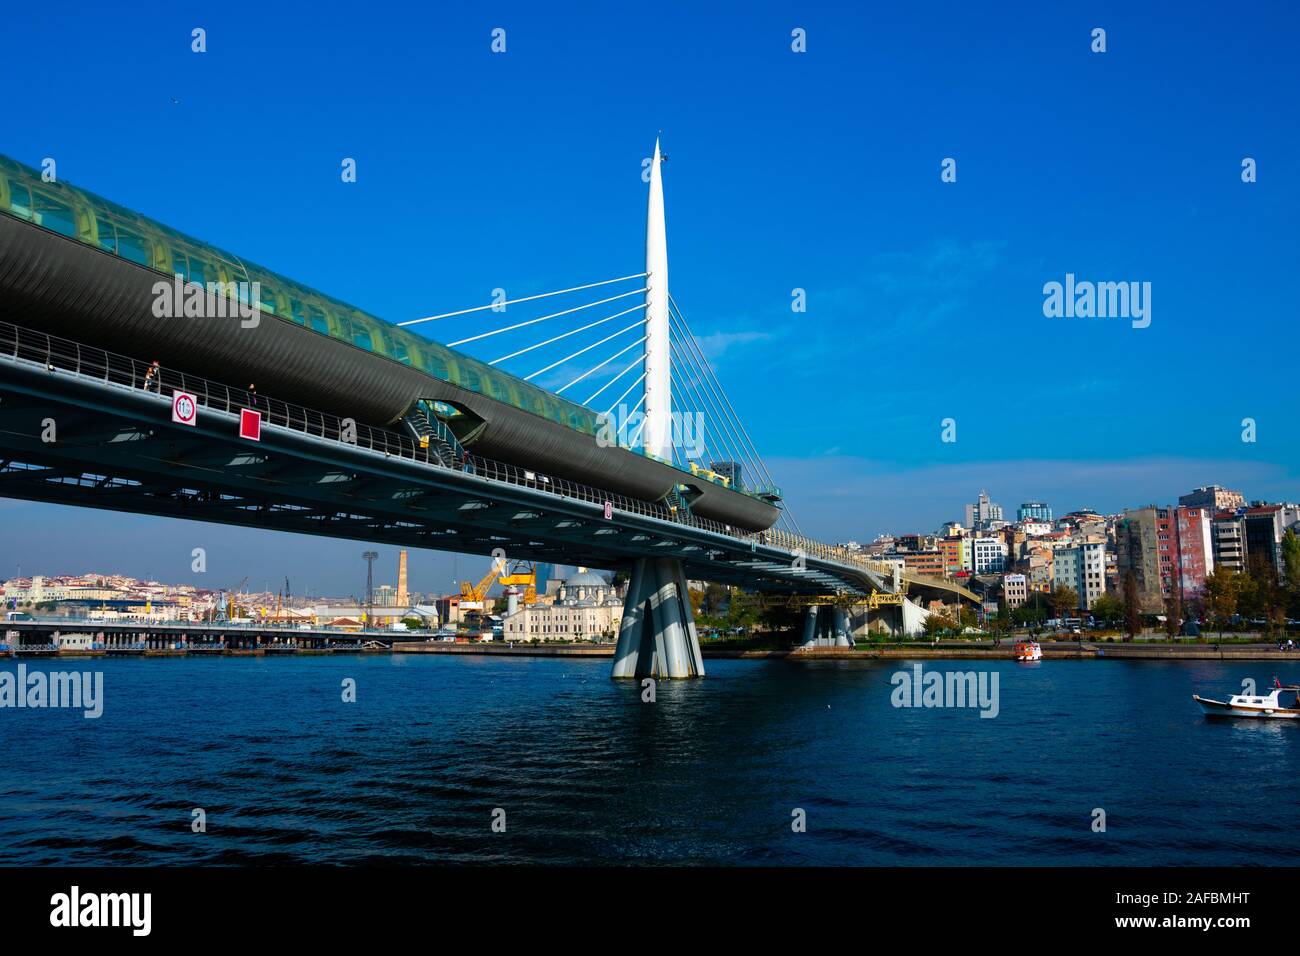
[[825, 626], [657, 637]]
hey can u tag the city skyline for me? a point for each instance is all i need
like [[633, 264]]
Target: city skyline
[[334, 568]]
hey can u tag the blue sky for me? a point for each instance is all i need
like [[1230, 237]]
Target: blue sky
[[818, 170]]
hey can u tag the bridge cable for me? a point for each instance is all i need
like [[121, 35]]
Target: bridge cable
[[688, 390], [714, 384], [695, 346], [635, 362], [722, 429], [553, 315], [744, 456], [565, 335], [625, 394], [528, 298], [691, 383], [589, 347], [604, 363], [640, 428]]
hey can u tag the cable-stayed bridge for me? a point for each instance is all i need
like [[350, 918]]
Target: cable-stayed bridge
[[582, 425]]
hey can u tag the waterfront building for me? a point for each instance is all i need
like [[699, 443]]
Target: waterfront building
[[1015, 590], [1195, 549], [1228, 541], [384, 615], [586, 608], [1146, 543], [1264, 526], [1082, 568]]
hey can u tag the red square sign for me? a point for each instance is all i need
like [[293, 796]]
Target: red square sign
[[250, 424]]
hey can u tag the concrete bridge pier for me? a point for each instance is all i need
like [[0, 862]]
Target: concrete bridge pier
[[657, 637], [826, 626]]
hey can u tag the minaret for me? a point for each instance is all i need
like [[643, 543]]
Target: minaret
[[657, 432], [403, 599]]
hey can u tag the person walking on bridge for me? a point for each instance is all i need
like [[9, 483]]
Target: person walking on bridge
[[152, 377]]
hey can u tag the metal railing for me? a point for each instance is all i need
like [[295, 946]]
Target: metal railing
[[60, 354]]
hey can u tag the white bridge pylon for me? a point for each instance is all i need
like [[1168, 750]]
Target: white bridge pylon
[[635, 364], [657, 637], [658, 370]]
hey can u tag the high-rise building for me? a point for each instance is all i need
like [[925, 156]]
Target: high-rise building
[[1228, 540], [982, 511], [1213, 498], [1194, 528], [1264, 526], [1035, 511], [1081, 568], [1146, 543]]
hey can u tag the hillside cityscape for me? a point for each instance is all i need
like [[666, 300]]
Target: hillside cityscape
[[1213, 555]]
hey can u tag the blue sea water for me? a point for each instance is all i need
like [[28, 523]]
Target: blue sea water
[[712, 772]]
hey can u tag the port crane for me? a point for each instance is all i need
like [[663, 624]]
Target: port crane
[[226, 605], [522, 574], [518, 575]]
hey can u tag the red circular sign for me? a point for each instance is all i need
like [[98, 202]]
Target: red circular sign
[[184, 408]]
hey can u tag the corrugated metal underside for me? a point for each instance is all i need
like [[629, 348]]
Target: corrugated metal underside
[[61, 286]]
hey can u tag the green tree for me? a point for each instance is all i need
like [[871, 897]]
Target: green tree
[[937, 624], [697, 601], [1033, 612], [1270, 594], [1000, 623], [1108, 609], [1291, 559], [1132, 606], [1222, 592], [716, 598], [1065, 601], [1173, 613]]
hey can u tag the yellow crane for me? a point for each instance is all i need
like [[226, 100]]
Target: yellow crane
[[478, 592], [522, 574]]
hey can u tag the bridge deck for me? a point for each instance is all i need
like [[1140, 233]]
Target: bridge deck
[[117, 448]]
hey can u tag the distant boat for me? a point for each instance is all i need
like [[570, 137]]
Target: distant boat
[[1028, 651], [1258, 706]]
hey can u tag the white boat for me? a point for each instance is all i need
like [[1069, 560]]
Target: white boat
[[1028, 651], [1270, 706]]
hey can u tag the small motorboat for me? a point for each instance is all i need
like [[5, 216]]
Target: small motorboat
[[1028, 651], [1270, 706]]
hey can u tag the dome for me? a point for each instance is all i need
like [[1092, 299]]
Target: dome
[[586, 579]]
